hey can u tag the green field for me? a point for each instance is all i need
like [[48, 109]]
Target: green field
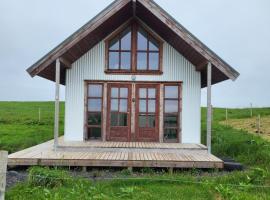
[[20, 128]]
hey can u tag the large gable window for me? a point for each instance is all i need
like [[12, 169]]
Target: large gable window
[[120, 51], [133, 49]]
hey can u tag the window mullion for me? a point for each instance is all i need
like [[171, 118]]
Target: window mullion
[[120, 48]]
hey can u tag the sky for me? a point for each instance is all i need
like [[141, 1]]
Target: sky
[[238, 31]]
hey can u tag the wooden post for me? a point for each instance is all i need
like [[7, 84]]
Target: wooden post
[[56, 112], [3, 171], [251, 112], [226, 116], [39, 115], [259, 124], [209, 108]]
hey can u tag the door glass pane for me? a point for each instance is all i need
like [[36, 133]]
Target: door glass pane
[[151, 93], [113, 60], [142, 40], [153, 61], [125, 60], [122, 119], [142, 120], [126, 40], [123, 92], [114, 104], [153, 44], [114, 44], [95, 90], [94, 105], [142, 61], [170, 134], [170, 121], [123, 105], [171, 106], [114, 92], [171, 91], [94, 118], [142, 92], [94, 133], [114, 119], [151, 121], [142, 106], [151, 105]]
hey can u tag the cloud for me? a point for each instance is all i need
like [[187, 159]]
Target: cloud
[[238, 31]]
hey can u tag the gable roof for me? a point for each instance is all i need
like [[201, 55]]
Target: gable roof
[[113, 16]]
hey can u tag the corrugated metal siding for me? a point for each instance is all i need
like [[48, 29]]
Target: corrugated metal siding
[[175, 68]]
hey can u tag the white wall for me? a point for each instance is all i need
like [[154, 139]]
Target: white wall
[[91, 67]]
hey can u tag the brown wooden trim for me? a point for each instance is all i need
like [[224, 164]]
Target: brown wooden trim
[[134, 24], [108, 126], [86, 126], [156, 132], [179, 112], [67, 44], [125, 81]]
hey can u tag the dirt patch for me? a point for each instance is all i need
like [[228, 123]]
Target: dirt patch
[[251, 125]]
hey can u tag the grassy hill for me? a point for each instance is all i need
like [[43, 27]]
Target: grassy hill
[[20, 127]]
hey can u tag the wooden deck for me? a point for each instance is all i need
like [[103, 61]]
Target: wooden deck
[[117, 154]]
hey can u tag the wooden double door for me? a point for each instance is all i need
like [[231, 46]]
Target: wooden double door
[[132, 112]]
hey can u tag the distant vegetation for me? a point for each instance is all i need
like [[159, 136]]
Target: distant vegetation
[[24, 124], [20, 128]]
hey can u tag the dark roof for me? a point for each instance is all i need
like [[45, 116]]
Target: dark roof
[[116, 14]]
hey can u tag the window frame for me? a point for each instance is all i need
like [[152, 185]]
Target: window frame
[[135, 25], [87, 136], [178, 127]]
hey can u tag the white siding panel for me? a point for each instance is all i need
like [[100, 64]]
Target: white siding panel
[[175, 68]]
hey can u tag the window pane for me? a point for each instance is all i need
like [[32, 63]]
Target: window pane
[[170, 121], [153, 44], [126, 40], [171, 106], [142, 40], [95, 90], [170, 134], [123, 92], [122, 119], [151, 93], [114, 119], [114, 44], [114, 92], [142, 92], [94, 133], [94, 118], [153, 61], [151, 105], [114, 104], [151, 121], [171, 91], [141, 61], [125, 60], [142, 121], [123, 105], [142, 107], [94, 105], [113, 60]]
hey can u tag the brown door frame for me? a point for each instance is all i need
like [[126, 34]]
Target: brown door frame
[[109, 136], [105, 121], [155, 137]]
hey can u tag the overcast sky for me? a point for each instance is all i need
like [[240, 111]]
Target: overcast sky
[[238, 31]]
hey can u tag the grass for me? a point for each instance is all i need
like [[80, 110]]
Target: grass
[[20, 126], [44, 183]]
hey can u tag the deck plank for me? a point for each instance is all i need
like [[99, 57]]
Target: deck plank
[[137, 154]]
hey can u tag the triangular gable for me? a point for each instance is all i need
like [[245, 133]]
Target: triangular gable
[[114, 16]]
